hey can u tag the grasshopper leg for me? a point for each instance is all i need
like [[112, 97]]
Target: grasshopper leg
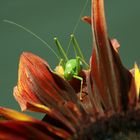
[[81, 79]]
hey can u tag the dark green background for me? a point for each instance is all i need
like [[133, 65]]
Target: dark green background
[[50, 18]]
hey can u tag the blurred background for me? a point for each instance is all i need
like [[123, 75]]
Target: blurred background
[[57, 18]]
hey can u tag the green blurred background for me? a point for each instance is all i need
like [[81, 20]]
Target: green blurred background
[[51, 18]]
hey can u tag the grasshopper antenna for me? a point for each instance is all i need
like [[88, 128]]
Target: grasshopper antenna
[[33, 34], [77, 23]]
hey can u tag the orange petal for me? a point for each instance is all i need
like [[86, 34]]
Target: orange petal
[[20, 130], [37, 84], [137, 79], [14, 115], [114, 42], [87, 19], [52, 114], [37, 124], [110, 79]]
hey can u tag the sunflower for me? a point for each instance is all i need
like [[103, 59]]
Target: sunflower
[[109, 108]]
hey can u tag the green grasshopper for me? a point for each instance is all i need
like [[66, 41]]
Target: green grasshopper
[[71, 67]]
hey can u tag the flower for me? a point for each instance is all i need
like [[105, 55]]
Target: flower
[[109, 107], [39, 89]]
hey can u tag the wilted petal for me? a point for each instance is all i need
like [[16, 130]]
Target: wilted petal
[[114, 42], [52, 115], [24, 97], [14, 115], [87, 19], [20, 130], [111, 81], [37, 84], [32, 123]]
